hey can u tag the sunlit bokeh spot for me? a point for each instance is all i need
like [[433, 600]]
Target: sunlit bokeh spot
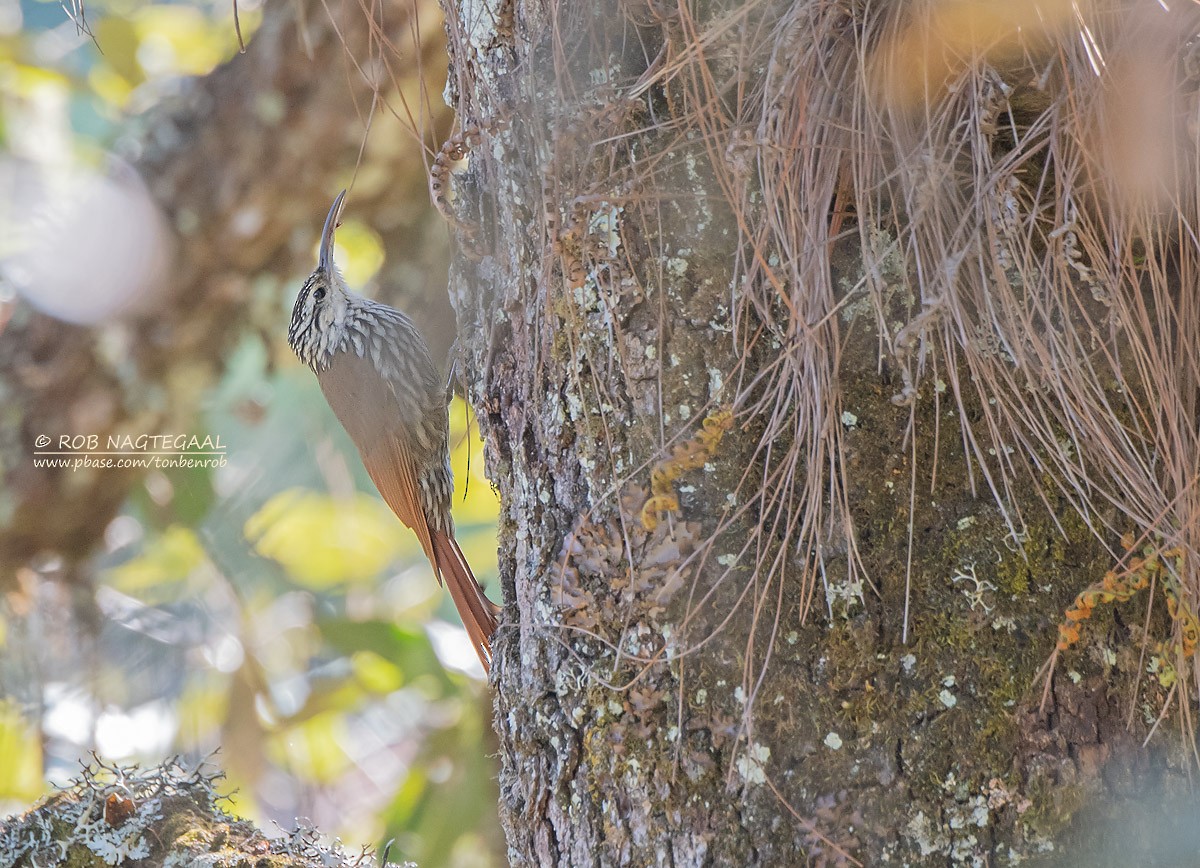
[[322, 540]]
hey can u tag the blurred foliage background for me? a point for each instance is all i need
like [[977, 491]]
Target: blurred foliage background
[[273, 608]]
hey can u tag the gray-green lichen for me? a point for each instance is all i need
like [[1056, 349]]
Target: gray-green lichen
[[165, 815]]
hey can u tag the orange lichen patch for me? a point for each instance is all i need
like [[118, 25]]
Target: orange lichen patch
[[1181, 614], [688, 455], [1160, 569]]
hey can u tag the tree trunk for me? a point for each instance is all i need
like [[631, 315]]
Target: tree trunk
[[789, 525]]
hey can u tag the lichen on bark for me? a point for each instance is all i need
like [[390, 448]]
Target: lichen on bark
[[167, 815]]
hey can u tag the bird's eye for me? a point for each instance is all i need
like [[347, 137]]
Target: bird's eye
[[319, 293]]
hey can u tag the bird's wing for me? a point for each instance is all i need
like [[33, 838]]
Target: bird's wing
[[366, 406]]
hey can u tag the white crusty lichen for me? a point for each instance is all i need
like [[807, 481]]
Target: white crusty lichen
[[605, 226], [751, 765], [167, 813], [976, 587], [106, 810], [952, 833]]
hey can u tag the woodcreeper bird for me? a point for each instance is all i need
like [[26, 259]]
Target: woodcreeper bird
[[379, 379]]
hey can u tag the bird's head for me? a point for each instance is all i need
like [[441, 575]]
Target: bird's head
[[319, 315]]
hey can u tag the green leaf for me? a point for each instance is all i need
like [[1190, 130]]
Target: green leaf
[[312, 749], [180, 39], [323, 541], [406, 648], [194, 494], [21, 770], [359, 250], [166, 560], [375, 674], [120, 40]]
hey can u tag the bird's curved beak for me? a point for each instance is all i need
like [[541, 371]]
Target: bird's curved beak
[[325, 257]]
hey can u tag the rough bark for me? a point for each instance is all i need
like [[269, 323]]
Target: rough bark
[[243, 163], [665, 694]]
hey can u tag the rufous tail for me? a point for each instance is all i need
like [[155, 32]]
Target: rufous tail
[[476, 610]]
